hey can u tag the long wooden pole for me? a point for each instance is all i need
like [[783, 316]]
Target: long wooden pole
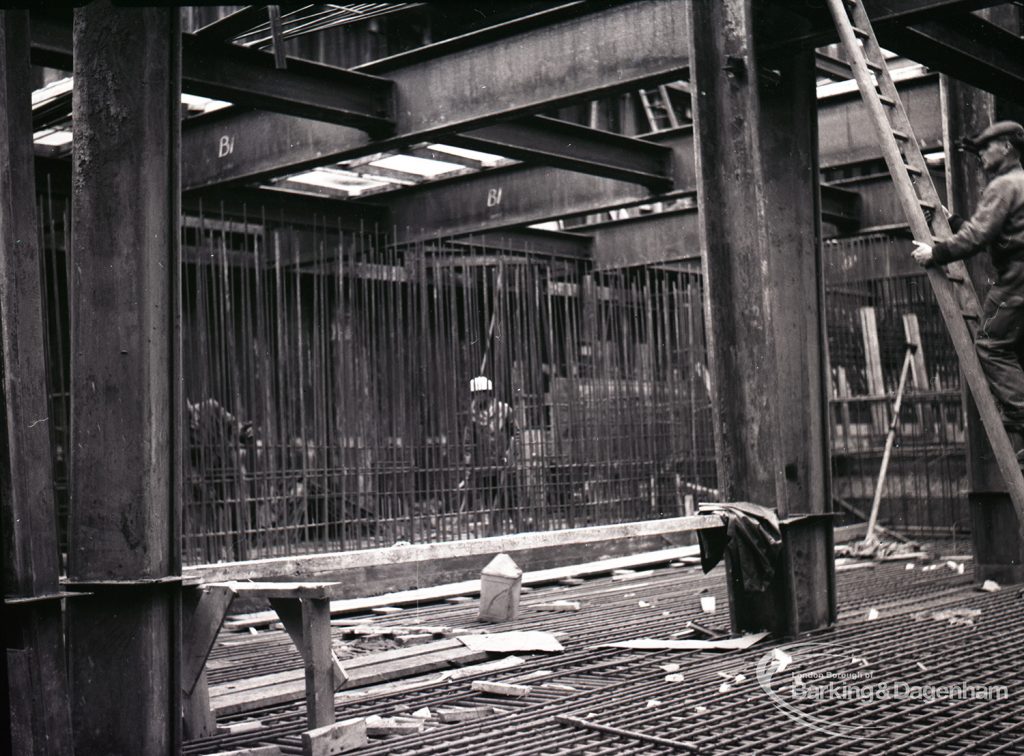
[[889, 438]]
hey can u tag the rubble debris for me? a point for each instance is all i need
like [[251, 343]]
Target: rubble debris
[[263, 750], [872, 614], [880, 551], [501, 583], [669, 668], [725, 687], [631, 575], [339, 737], [558, 606], [707, 602], [423, 713], [239, 728], [500, 688], [643, 604], [513, 641], [377, 726], [719, 644], [465, 714], [653, 703], [990, 586], [959, 616], [386, 610], [677, 677]]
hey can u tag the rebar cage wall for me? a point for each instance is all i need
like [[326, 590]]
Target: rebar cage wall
[[327, 374]]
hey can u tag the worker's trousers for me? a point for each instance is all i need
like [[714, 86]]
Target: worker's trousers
[[1002, 326]]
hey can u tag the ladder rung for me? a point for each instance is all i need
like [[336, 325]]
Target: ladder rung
[[874, 67], [887, 100], [860, 32], [912, 170], [954, 277], [901, 135]]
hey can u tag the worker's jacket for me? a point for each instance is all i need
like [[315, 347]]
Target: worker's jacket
[[489, 436], [998, 223]]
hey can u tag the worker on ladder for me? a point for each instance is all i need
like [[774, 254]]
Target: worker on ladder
[[998, 224]]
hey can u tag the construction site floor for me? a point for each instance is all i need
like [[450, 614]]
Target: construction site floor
[[920, 661]]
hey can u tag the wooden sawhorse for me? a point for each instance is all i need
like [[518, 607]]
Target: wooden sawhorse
[[305, 612]]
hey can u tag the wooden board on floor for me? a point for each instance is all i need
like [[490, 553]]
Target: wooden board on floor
[[472, 587], [366, 669]]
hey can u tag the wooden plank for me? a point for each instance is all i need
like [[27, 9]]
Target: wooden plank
[[201, 626], [335, 738], [308, 566], [873, 367], [500, 688], [198, 719], [273, 590], [364, 670], [460, 589], [319, 668]]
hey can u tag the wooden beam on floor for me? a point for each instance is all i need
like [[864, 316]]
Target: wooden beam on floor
[[316, 566], [124, 525]]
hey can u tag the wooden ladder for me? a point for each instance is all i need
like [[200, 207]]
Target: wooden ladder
[[658, 108], [958, 302]]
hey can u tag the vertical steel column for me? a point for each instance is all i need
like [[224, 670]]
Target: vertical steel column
[[38, 718], [998, 551], [756, 144], [124, 527]]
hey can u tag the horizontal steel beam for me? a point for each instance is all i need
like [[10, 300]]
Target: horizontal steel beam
[[235, 146], [884, 14], [248, 77], [840, 207], [562, 144], [231, 146], [520, 195], [646, 240], [567, 244], [528, 68], [966, 48], [279, 208], [845, 134]]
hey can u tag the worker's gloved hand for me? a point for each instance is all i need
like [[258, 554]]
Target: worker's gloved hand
[[922, 253]]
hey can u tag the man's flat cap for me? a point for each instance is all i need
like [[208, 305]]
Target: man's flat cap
[[1009, 129]]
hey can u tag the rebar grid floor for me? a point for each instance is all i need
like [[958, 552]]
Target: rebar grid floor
[[948, 655]]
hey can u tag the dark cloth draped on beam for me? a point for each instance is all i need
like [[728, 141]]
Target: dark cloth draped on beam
[[752, 538]]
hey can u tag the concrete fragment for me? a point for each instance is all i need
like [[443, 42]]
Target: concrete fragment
[[500, 688], [331, 739], [558, 606], [464, 714]]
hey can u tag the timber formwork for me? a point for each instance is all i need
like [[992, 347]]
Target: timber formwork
[[593, 700]]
